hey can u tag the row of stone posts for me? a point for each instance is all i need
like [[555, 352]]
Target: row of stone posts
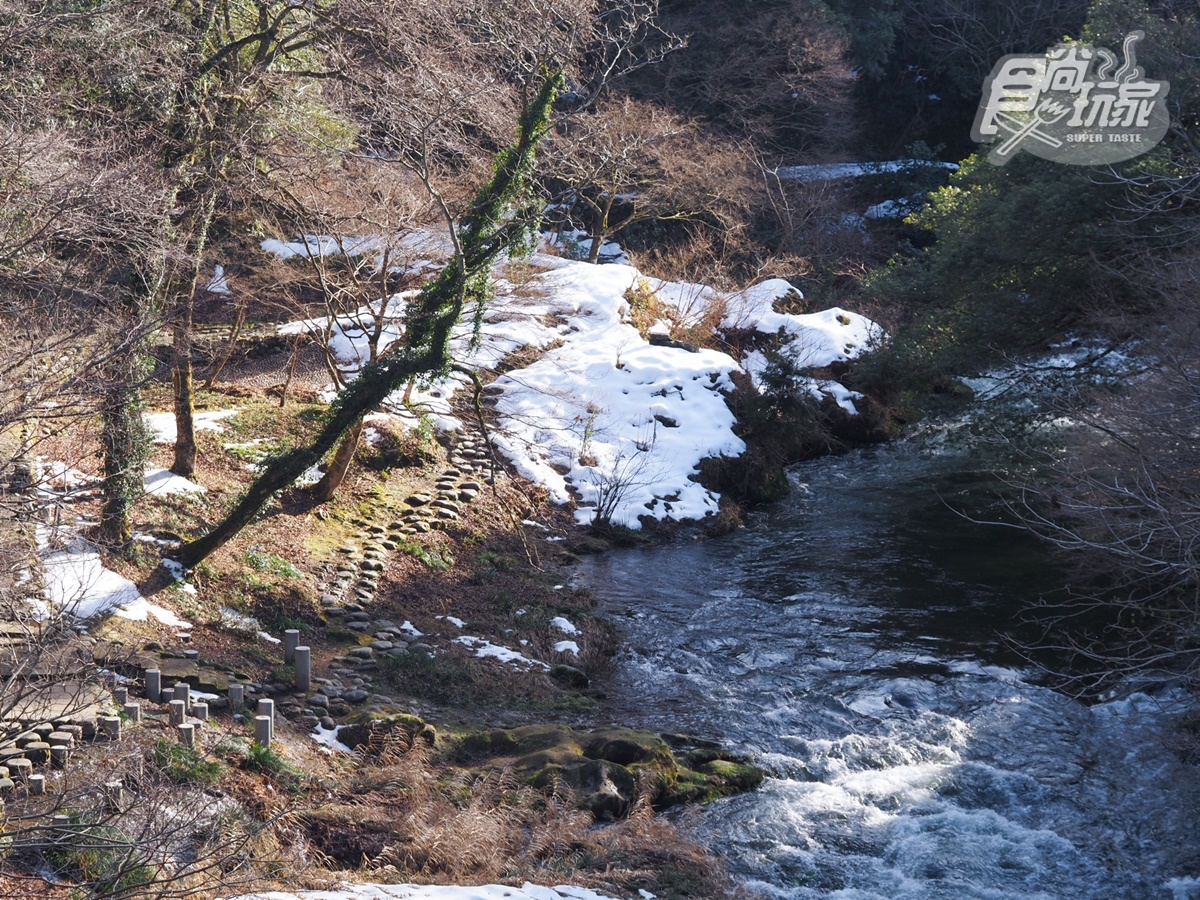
[[181, 707]]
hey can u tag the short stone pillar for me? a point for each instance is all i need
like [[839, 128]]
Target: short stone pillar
[[267, 708], [120, 695], [291, 640], [114, 796], [183, 691], [154, 685], [178, 712], [187, 734], [263, 730], [36, 785], [237, 697], [303, 669], [112, 727], [60, 756], [133, 712], [200, 711]]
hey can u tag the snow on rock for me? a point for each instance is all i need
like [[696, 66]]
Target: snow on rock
[[328, 737], [164, 481], [162, 425], [564, 625], [567, 647], [527, 891], [815, 340], [78, 584]]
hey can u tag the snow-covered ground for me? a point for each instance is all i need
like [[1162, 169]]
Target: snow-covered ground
[[602, 418], [527, 891], [78, 585]]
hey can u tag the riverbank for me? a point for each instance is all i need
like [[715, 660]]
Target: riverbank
[[448, 653]]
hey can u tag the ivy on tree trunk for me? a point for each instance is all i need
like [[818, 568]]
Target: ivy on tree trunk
[[498, 220]]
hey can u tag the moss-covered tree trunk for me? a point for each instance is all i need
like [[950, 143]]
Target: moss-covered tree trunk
[[123, 438], [335, 474], [498, 220]]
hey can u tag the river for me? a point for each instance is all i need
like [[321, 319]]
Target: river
[[849, 640]]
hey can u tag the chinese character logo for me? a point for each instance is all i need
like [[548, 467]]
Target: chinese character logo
[[1070, 106]]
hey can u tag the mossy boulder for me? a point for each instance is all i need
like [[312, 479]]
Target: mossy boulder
[[607, 769]]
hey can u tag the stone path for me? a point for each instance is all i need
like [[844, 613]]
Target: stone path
[[348, 596]]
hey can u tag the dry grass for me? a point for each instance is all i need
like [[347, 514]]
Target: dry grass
[[406, 820]]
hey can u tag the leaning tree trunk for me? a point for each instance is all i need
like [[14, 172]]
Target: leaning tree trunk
[[324, 489], [489, 229]]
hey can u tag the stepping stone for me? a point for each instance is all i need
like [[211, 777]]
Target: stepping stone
[[361, 652], [357, 696], [448, 514], [418, 499]]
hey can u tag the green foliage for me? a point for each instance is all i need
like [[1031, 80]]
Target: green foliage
[[102, 859], [259, 559], [262, 759], [185, 765], [438, 560], [1010, 261]]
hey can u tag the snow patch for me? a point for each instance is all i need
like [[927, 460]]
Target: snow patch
[[526, 891], [164, 481], [564, 625], [162, 425], [485, 649]]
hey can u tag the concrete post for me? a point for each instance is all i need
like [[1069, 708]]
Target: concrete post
[[133, 712], [262, 730], [154, 685], [187, 734], [120, 695], [37, 785], [267, 708], [112, 727], [59, 756], [114, 796], [200, 711], [291, 640], [237, 697], [178, 712], [183, 691], [303, 669]]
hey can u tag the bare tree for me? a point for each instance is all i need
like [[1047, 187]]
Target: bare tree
[[627, 161]]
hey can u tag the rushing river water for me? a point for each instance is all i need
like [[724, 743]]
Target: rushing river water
[[848, 640]]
